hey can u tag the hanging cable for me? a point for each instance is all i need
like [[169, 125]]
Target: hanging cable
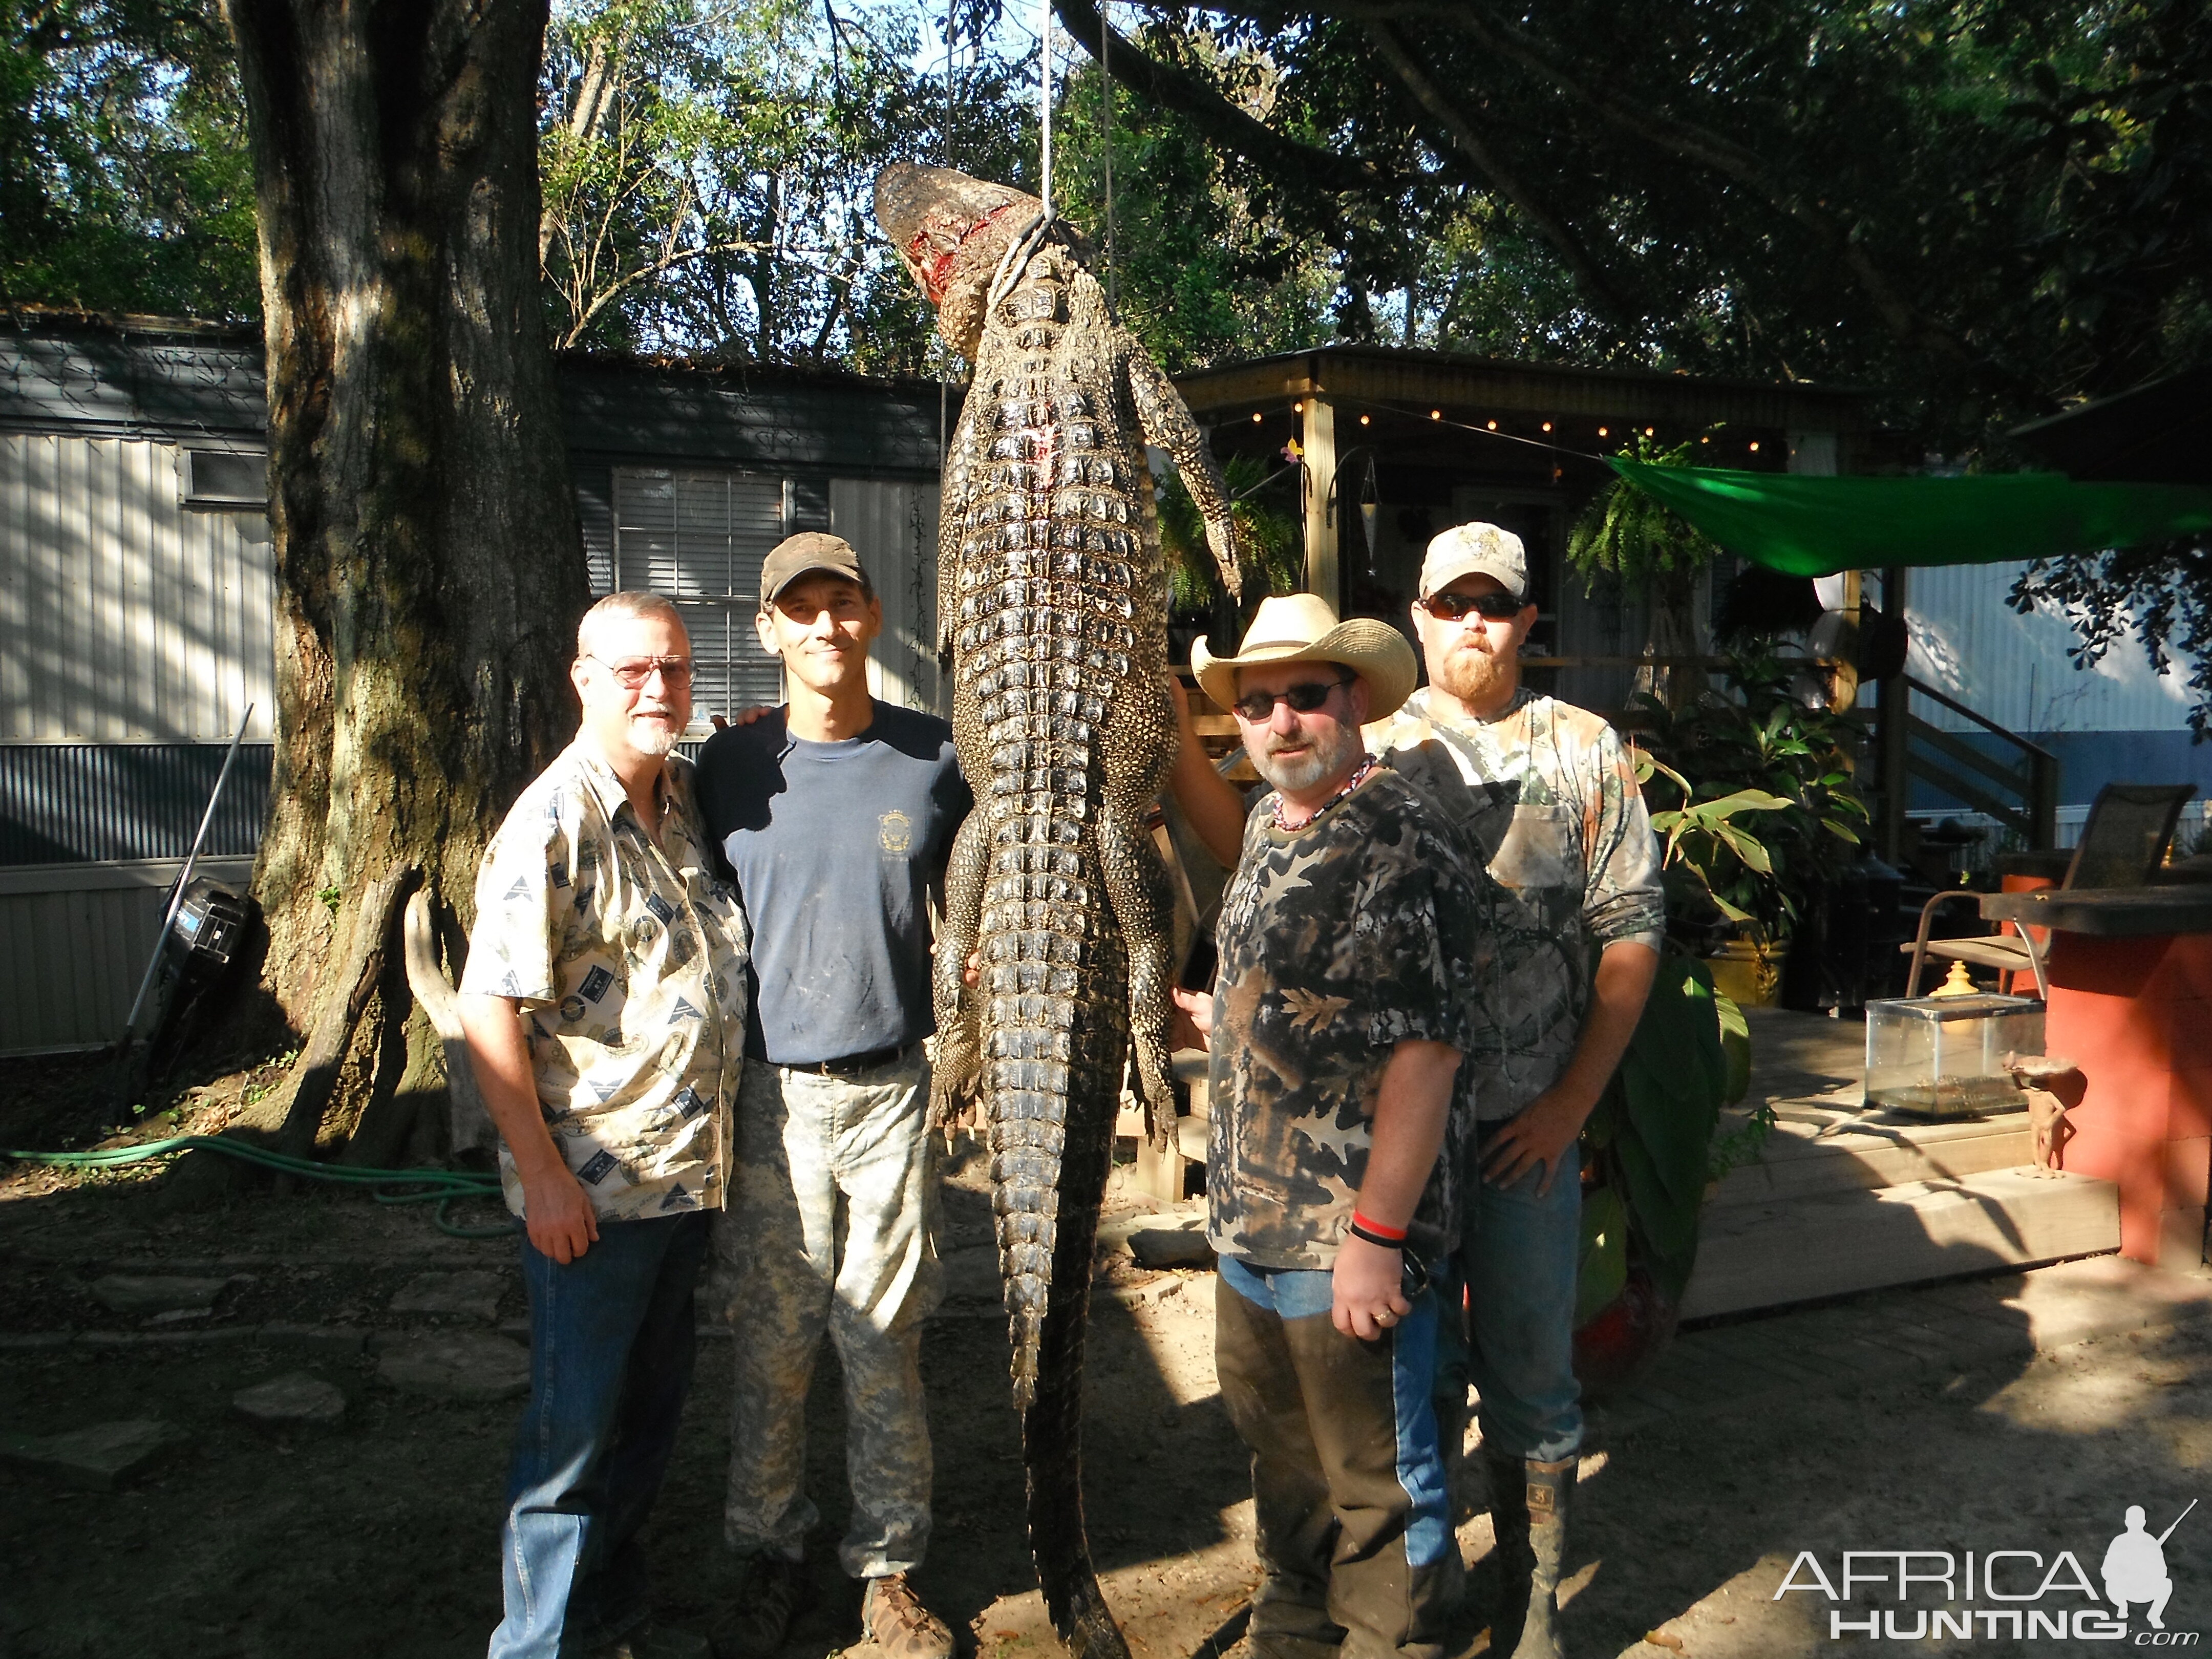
[[1106, 90], [1044, 102]]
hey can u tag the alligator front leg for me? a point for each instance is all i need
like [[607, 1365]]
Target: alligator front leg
[[1144, 909], [957, 1074], [1165, 420]]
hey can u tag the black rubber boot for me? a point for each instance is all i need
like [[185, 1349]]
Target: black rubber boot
[[1529, 1504]]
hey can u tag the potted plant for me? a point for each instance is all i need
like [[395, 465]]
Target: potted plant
[[1754, 796]]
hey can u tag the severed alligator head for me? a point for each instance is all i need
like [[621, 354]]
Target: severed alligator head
[[1052, 611]]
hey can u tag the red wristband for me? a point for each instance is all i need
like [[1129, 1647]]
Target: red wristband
[[1362, 1224]]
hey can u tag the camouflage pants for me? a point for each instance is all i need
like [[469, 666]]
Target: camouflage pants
[[828, 1231]]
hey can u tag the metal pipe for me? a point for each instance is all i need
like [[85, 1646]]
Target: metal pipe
[[184, 876]]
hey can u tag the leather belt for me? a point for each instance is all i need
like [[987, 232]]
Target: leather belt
[[846, 1065]]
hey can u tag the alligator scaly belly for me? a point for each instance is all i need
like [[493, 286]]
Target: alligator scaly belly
[[1052, 605]]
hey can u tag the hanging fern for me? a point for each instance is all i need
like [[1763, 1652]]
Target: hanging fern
[[1626, 534]]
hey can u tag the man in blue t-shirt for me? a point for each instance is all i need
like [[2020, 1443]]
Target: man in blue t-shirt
[[837, 813]]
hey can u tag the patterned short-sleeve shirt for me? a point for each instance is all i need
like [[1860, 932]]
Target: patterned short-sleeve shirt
[[1546, 796], [627, 958], [1337, 943]]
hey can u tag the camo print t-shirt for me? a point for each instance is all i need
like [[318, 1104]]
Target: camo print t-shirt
[[1337, 943], [629, 960], [1547, 797]]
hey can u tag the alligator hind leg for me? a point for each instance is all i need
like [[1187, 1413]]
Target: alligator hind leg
[[956, 1071], [1144, 909]]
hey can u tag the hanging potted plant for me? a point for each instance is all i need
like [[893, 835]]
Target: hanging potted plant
[[1647, 548]]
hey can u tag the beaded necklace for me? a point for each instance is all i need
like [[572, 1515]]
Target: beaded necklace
[[1358, 776]]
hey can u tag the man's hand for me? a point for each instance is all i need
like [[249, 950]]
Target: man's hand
[[1371, 1289], [1193, 1026], [743, 717], [557, 1211], [971, 971], [1539, 1135]]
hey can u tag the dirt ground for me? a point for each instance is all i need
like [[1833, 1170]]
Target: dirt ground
[[378, 1536]]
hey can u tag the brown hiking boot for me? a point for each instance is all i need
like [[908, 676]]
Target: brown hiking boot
[[895, 1621], [772, 1592]]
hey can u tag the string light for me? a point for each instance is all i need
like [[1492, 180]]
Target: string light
[[1299, 407], [1436, 414], [1364, 419], [1600, 432], [1494, 425], [1548, 426], [1754, 446], [1706, 438], [1647, 431], [1257, 417]]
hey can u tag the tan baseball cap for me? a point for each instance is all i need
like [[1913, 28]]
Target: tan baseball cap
[[809, 549], [1467, 550]]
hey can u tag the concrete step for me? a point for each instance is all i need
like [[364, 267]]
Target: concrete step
[[1804, 1245]]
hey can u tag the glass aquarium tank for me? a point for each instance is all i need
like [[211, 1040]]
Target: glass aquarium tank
[[1944, 1056]]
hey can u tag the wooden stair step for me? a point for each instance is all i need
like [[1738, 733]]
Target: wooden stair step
[[1803, 1246], [1826, 1146]]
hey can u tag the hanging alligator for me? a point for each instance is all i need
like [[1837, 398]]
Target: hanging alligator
[[1052, 616]]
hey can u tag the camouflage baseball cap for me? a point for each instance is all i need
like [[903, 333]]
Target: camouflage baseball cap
[[1467, 550]]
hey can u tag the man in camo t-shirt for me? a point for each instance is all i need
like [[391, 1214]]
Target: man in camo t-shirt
[[1336, 1029], [604, 1002], [1545, 796]]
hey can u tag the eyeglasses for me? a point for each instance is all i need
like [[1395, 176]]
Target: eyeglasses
[[633, 674], [1303, 698], [1453, 607]]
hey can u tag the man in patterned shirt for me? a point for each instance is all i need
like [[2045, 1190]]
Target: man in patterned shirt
[[1547, 797], [1336, 1031], [602, 1001]]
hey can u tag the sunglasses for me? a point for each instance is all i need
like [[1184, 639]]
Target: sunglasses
[[632, 675], [1303, 698], [1453, 607]]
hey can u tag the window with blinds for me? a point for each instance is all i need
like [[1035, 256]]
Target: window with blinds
[[701, 538]]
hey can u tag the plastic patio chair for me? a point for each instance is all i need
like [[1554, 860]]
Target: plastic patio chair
[[2124, 841]]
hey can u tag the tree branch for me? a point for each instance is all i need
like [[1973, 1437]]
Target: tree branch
[[1592, 281], [1176, 88]]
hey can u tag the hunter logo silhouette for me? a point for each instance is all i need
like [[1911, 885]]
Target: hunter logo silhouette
[[2135, 1566]]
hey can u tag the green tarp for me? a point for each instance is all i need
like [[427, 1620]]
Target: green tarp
[[1810, 526]]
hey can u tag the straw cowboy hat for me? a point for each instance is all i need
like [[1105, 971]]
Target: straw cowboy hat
[[1301, 627]]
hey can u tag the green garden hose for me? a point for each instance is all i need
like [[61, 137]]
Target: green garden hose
[[443, 1187]]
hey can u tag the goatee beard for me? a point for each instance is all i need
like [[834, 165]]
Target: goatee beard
[[1320, 761], [1472, 677], [659, 741]]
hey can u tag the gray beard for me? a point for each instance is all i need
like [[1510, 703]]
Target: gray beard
[[657, 741], [1316, 766]]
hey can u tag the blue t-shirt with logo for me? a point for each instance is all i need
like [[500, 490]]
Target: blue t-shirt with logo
[[837, 849]]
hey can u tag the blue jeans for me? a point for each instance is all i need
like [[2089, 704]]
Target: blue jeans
[[612, 1344], [1352, 1521], [1520, 1253]]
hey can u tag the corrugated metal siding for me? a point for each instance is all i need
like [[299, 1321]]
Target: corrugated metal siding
[[1967, 641], [893, 527], [79, 803], [71, 956], [123, 617]]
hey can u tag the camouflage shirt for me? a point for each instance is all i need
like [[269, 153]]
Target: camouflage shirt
[[1337, 942], [1548, 796], [629, 960]]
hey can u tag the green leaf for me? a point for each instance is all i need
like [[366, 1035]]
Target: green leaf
[[1603, 1270]]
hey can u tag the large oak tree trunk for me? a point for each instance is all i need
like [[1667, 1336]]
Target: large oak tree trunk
[[429, 568]]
